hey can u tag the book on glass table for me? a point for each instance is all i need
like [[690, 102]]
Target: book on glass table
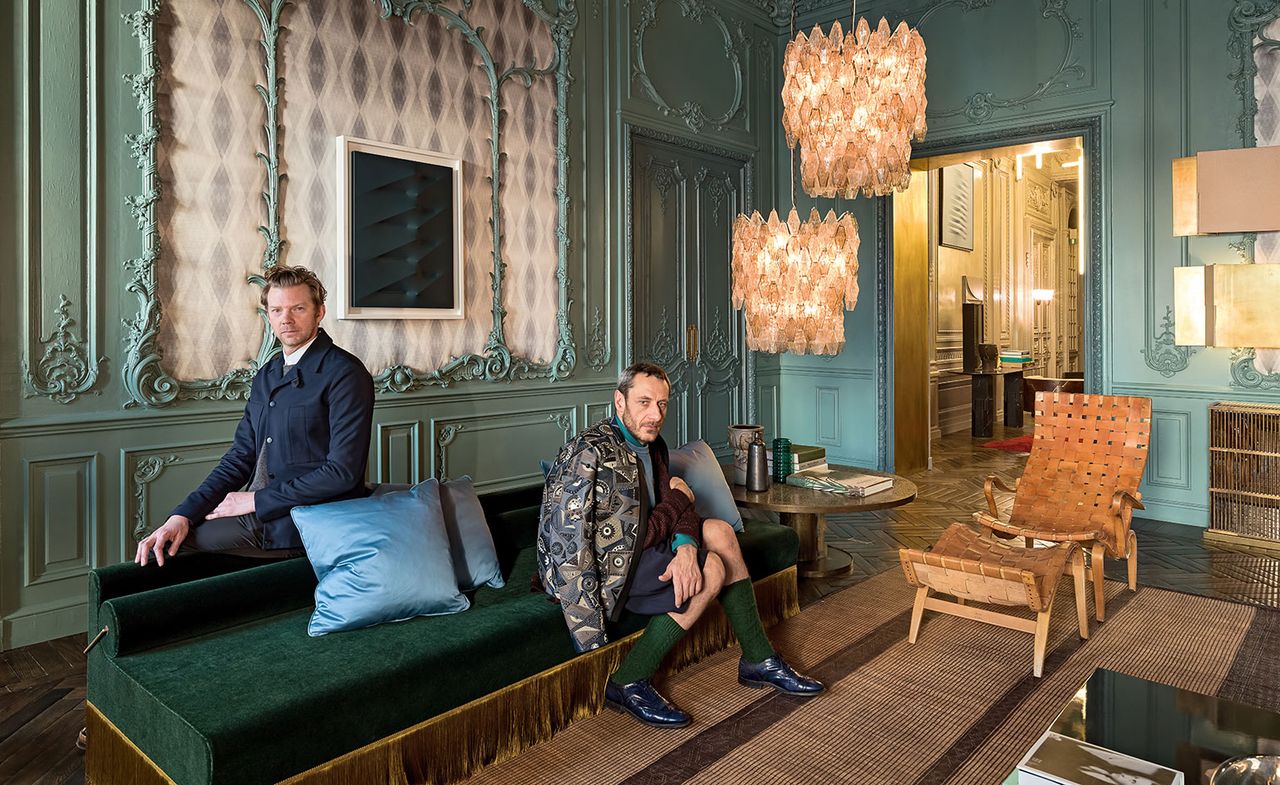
[[1062, 760], [847, 481]]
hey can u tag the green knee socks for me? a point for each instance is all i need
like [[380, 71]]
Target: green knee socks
[[645, 657], [739, 602]]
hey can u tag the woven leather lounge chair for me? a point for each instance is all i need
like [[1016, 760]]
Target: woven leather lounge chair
[[1081, 480]]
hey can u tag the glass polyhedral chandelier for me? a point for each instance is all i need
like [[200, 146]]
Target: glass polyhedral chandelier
[[795, 280], [853, 104]]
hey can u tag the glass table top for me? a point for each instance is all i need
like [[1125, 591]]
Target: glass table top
[[1177, 728]]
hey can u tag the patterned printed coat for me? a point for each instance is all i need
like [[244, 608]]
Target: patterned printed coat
[[595, 517], [592, 517]]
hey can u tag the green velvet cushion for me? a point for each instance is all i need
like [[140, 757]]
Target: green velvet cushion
[[120, 580], [187, 610]]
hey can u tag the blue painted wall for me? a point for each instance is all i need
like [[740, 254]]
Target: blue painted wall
[[1160, 78]]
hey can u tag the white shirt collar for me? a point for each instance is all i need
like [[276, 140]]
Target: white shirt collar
[[292, 358]]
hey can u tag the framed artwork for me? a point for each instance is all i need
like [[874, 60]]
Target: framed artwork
[[956, 207], [400, 232]]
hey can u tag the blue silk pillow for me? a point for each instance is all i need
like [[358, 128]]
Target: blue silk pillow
[[475, 559], [379, 559], [697, 465]]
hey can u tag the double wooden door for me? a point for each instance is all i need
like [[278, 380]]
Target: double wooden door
[[683, 206]]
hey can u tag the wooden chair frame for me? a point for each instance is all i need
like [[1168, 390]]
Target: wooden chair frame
[[977, 579]]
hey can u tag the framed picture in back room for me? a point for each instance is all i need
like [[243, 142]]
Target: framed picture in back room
[[400, 232], [955, 225]]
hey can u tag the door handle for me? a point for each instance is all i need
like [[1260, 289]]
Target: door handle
[[691, 343]]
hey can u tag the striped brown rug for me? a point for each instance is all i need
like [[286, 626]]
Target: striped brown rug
[[959, 706]]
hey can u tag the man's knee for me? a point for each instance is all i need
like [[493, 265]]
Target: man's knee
[[719, 536], [712, 574]]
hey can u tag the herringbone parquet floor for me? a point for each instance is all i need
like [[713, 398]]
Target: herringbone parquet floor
[[42, 686]]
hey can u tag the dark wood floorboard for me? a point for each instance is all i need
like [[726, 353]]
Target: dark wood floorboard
[[42, 686]]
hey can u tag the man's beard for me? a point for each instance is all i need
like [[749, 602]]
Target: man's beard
[[634, 427]]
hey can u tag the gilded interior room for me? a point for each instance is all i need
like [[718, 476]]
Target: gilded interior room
[[639, 391]]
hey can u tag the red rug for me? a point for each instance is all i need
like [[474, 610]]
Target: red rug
[[1021, 444]]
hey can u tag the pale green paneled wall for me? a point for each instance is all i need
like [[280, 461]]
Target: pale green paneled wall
[[1158, 78], [81, 473]]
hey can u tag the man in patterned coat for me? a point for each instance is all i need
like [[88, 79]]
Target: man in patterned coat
[[619, 532]]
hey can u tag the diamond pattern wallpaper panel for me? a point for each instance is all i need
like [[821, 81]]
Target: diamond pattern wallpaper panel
[[349, 72], [528, 177], [210, 208]]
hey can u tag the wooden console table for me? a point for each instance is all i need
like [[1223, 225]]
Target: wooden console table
[[983, 384], [805, 510]]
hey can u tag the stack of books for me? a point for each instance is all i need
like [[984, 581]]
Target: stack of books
[[846, 481], [1015, 356], [804, 457], [1062, 760]]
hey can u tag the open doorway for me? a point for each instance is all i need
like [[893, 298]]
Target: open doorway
[[990, 257]]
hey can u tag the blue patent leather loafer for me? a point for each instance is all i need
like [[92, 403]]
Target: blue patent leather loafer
[[775, 673], [642, 701]]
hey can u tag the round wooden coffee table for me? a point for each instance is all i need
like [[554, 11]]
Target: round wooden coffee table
[[806, 511]]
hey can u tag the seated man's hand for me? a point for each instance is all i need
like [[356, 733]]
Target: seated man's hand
[[684, 574], [172, 533], [235, 503], [682, 486]]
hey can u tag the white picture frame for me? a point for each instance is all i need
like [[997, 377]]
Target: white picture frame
[[356, 298], [956, 207]]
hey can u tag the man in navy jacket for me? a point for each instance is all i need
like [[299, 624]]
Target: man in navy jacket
[[304, 438]]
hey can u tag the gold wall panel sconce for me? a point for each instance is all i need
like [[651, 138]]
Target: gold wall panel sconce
[[1227, 305], [1227, 191]]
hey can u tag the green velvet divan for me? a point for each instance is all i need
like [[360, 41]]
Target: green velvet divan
[[206, 675]]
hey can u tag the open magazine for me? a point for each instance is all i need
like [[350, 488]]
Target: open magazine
[[1062, 760], [847, 481]]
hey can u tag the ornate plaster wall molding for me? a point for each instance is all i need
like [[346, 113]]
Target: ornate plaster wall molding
[[65, 370], [693, 113], [146, 381], [981, 105], [67, 366], [146, 471], [597, 342], [1159, 351], [884, 346], [1162, 354], [1244, 373], [1246, 22]]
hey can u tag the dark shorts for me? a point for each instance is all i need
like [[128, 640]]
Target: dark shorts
[[238, 536], [650, 596]]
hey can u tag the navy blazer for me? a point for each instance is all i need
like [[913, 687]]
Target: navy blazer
[[315, 422]]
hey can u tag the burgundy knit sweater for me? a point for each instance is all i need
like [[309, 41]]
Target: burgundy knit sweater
[[674, 513]]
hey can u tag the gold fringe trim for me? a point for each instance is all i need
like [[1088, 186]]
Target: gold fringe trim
[[111, 759], [452, 746]]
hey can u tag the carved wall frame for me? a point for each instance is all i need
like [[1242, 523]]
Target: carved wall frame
[[1245, 22], [981, 106], [64, 366], [145, 380], [692, 113]]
